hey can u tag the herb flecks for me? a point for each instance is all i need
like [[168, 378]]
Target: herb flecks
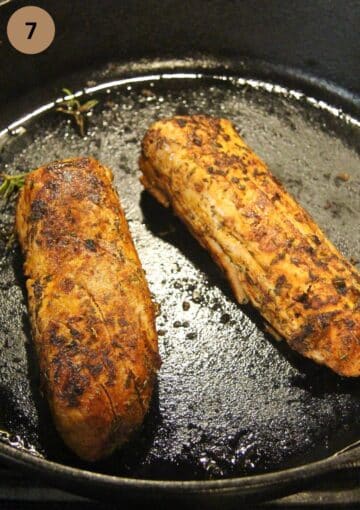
[[10, 184], [72, 106]]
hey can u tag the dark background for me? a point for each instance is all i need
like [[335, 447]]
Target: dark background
[[320, 37]]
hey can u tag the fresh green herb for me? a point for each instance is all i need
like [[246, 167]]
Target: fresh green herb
[[10, 242], [72, 106], [10, 184]]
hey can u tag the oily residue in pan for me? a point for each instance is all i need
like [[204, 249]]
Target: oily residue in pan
[[229, 400]]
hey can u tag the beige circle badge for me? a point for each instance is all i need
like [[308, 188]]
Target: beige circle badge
[[31, 30]]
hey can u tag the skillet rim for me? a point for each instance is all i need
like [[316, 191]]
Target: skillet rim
[[283, 481]]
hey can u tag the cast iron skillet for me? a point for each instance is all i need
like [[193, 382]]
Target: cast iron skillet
[[235, 415]]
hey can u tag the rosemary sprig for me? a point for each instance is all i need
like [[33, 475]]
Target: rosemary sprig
[[75, 109], [10, 184], [10, 241]]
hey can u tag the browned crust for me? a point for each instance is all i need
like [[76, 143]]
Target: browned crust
[[272, 252], [91, 313]]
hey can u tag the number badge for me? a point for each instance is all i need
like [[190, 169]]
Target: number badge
[[31, 30]]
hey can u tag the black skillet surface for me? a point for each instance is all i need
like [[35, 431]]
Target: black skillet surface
[[230, 400]]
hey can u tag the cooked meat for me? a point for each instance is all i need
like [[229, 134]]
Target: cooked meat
[[271, 251], [91, 313]]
